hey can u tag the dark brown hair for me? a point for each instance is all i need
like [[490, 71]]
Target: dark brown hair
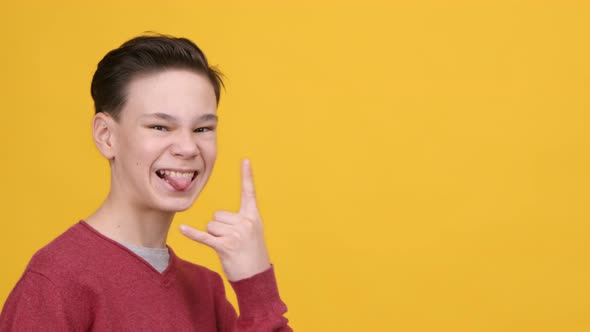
[[144, 55]]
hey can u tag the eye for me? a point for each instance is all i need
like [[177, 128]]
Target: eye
[[203, 129], [160, 128]]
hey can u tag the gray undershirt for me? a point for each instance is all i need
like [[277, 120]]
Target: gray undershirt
[[157, 257]]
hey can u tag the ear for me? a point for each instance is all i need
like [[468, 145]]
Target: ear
[[103, 127]]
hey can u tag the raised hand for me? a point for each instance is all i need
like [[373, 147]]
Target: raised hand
[[238, 238]]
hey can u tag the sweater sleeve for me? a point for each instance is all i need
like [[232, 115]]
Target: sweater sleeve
[[261, 308], [35, 304]]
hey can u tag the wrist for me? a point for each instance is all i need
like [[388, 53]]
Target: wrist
[[236, 271], [258, 295]]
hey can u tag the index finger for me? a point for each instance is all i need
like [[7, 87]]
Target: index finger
[[248, 202]]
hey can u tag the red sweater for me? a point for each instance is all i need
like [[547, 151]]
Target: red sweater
[[84, 281]]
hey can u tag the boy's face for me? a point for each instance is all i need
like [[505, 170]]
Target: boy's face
[[165, 142]]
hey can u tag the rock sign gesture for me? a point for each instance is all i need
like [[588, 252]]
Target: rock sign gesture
[[237, 238]]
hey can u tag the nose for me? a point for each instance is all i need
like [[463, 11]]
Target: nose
[[185, 145]]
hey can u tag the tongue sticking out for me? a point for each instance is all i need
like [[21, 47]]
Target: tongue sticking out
[[179, 183]]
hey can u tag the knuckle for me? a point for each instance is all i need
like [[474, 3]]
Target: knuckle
[[249, 224], [217, 215], [246, 222]]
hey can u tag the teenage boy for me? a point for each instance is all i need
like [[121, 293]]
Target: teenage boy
[[156, 100]]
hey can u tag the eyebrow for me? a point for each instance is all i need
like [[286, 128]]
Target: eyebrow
[[168, 117]]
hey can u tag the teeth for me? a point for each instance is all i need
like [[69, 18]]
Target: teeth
[[187, 175]]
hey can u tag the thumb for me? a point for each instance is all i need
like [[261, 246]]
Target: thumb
[[199, 236]]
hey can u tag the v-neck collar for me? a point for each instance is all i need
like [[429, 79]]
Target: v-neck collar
[[165, 278]]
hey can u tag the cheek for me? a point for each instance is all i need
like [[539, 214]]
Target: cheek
[[210, 152], [145, 152], [208, 148]]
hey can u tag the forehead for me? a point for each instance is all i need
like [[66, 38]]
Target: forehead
[[183, 94]]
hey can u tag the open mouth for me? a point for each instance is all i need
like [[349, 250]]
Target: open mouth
[[179, 180]]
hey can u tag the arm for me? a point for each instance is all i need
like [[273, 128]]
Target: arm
[[239, 242], [261, 308], [35, 304]]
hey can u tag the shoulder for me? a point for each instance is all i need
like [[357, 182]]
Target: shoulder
[[49, 292], [65, 256]]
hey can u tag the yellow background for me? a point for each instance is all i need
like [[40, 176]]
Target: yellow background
[[420, 165]]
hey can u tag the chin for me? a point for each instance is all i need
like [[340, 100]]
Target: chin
[[175, 206], [175, 201]]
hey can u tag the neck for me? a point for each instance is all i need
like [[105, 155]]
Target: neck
[[125, 223]]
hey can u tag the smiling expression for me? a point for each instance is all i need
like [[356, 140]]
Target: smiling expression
[[165, 141]]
